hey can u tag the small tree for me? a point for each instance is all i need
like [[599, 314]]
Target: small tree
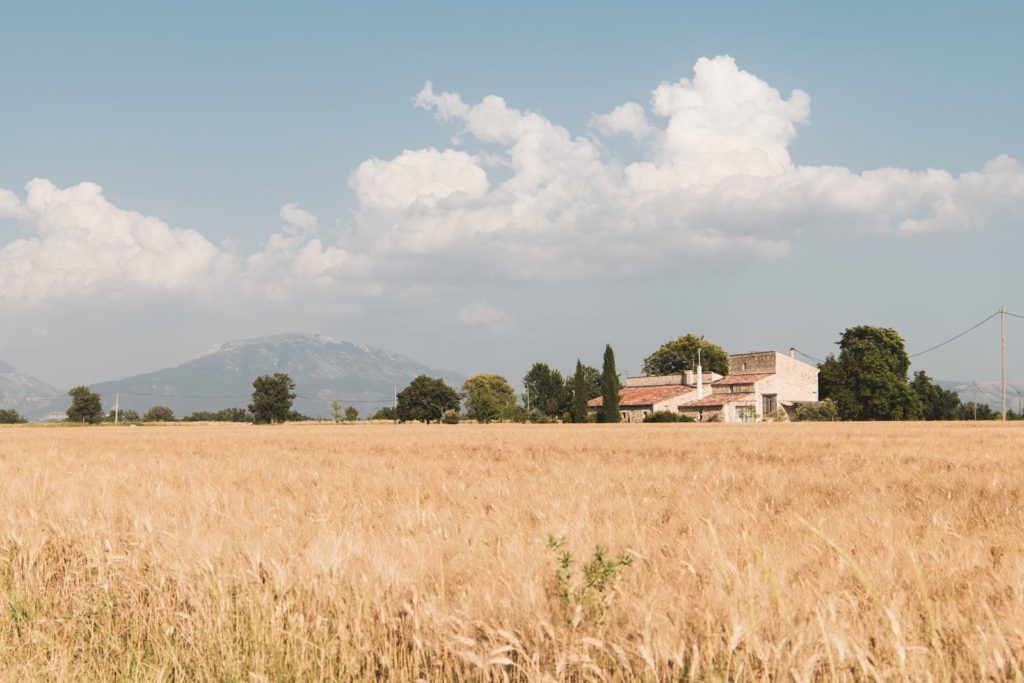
[[676, 356], [385, 413], [11, 417], [85, 406], [488, 397], [545, 390], [579, 394], [159, 414], [125, 415], [337, 412], [272, 398], [426, 399], [351, 414], [610, 388]]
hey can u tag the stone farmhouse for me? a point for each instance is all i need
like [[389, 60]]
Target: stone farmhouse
[[759, 385]]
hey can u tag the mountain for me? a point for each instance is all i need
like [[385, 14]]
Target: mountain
[[29, 396], [323, 368], [988, 392]]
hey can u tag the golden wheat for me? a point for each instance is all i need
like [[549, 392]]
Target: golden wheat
[[311, 552]]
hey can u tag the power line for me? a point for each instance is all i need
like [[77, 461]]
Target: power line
[[1014, 315], [807, 355], [953, 339], [246, 397]]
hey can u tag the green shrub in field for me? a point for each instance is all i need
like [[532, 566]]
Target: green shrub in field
[[585, 593], [667, 416], [450, 417], [819, 411]]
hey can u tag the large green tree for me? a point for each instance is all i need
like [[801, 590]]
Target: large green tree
[[488, 398], [85, 406], [936, 403], [868, 380], [159, 414], [610, 388], [676, 356], [272, 398], [545, 390], [425, 400]]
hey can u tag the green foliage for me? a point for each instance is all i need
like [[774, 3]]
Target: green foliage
[[488, 398], [676, 356], [984, 411], [868, 381], [586, 593], [385, 413], [610, 388], [450, 417], [545, 390], [936, 403], [296, 416], [585, 385], [272, 398], [351, 413], [337, 412], [223, 415], [819, 411], [159, 414], [11, 417], [426, 399], [126, 415], [667, 416], [85, 406]]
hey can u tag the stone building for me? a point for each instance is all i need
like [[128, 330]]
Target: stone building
[[759, 385]]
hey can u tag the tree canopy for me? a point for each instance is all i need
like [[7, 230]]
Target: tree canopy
[[676, 356], [868, 380], [272, 398], [585, 385], [488, 397], [85, 406], [610, 388], [545, 390], [936, 403], [9, 416], [159, 414], [426, 399]]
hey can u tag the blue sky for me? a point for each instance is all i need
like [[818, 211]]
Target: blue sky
[[211, 117]]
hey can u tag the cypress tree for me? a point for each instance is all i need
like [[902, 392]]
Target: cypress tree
[[579, 394], [610, 387]]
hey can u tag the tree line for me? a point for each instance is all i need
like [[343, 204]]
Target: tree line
[[868, 379]]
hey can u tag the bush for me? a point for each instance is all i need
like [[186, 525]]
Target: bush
[[779, 415], [450, 417], [223, 415], [385, 413], [819, 411], [586, 594], [159, 414], [11, 417], [667, 416]]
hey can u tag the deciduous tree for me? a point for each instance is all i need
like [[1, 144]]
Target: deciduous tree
[[426, 399], [272, 398], [676, 356], [488, 397], [545, 390], [159, 414], [85, 406]]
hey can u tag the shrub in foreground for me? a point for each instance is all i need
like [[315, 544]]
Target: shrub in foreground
[[667, 416]]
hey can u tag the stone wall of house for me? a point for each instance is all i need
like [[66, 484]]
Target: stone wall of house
[[759, 362], [797, 381], [654, 381]]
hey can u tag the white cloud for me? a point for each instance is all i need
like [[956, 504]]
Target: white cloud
[[482, 314], [716, 178], [80, 245]]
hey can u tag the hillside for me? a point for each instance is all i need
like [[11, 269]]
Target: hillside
[[29, 396], [323, 368]]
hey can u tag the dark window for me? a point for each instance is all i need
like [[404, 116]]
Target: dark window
[[770, 404]]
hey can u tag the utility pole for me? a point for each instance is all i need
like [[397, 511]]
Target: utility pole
[[396, 405], [1002, 339], [974, 401], [117, 407]]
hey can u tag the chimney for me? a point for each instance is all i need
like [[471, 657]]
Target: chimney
[[700, 383], [792, 352], [688, 378]]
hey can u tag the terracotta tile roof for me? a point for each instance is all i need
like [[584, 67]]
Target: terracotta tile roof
[[645, 396], [719, 400], [741, 379]]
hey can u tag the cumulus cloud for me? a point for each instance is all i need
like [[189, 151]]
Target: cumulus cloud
[[482, 314], [80, 244], [716, 177]]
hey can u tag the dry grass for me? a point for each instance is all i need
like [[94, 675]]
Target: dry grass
[[361, 552]]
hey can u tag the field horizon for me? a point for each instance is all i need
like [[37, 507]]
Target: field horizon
[[804, 551]]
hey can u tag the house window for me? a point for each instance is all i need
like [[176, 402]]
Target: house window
[[770, 404], [745, 414]]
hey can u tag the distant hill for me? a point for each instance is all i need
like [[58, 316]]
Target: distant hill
[[29, 396], [989, 392], [323, 368]]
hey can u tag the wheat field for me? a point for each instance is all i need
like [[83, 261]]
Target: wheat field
[[365, 551]]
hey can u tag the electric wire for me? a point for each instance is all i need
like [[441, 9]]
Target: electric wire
[[954, 338]]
